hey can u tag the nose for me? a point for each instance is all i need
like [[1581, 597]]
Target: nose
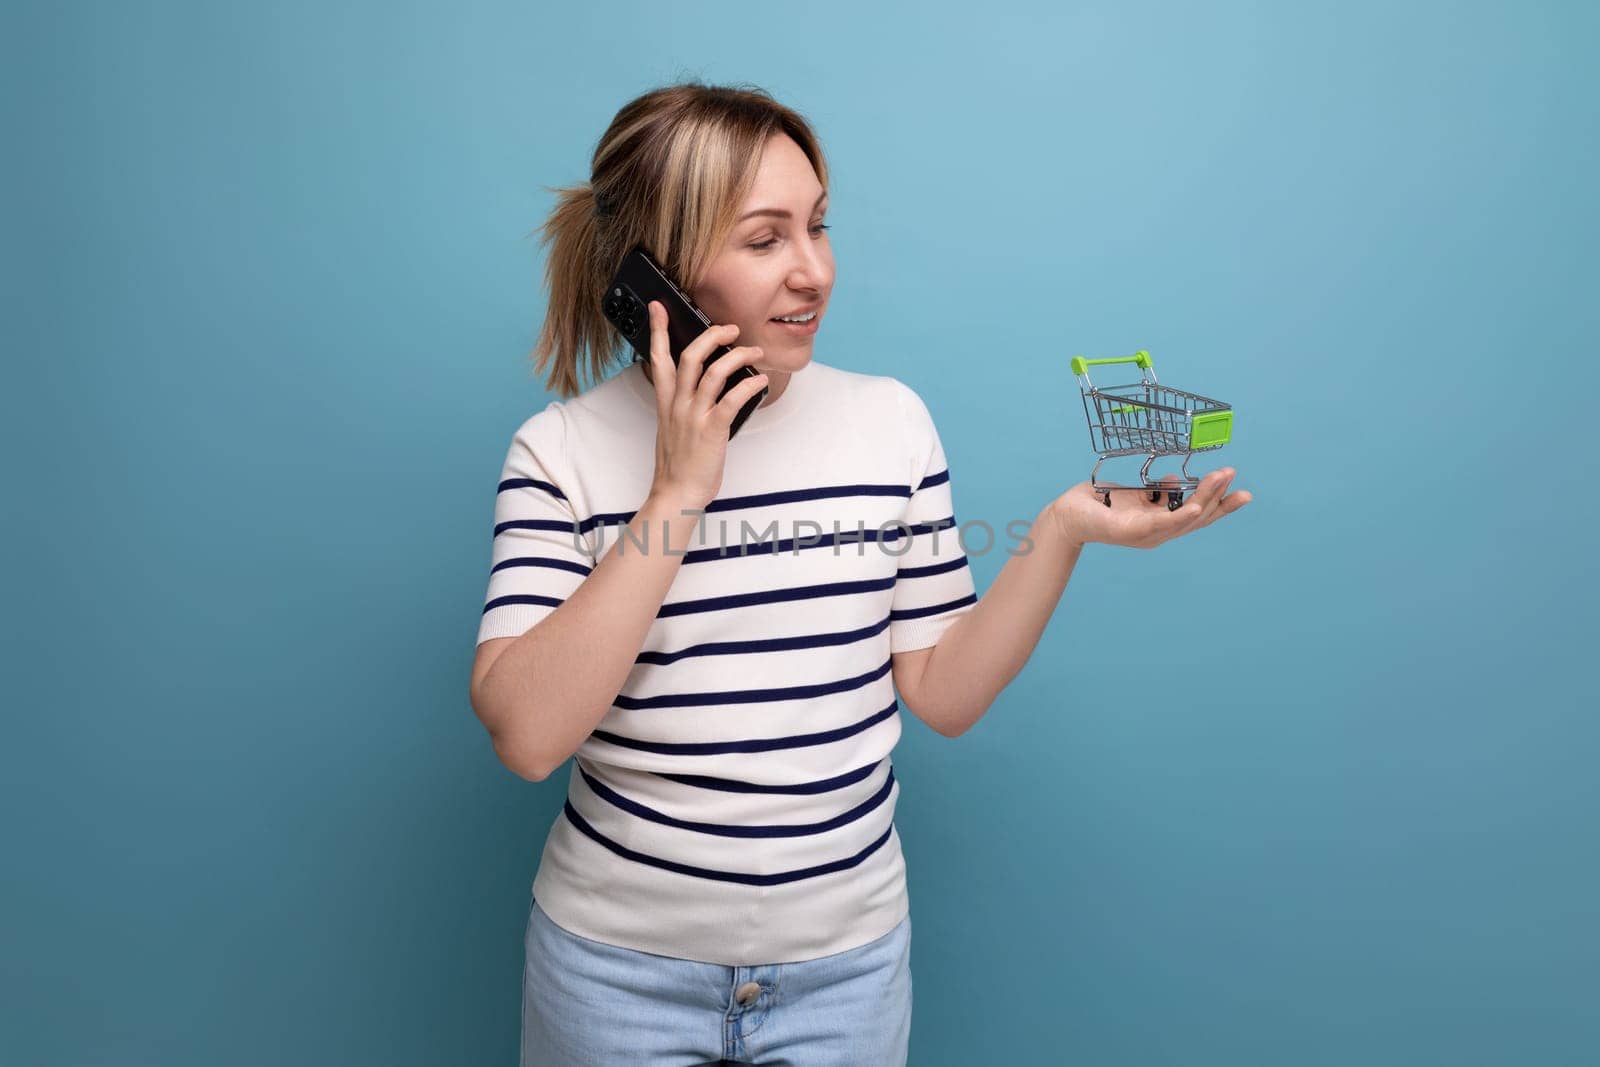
[[813, 267]]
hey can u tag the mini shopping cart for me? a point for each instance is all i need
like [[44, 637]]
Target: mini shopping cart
[[1144, 418]]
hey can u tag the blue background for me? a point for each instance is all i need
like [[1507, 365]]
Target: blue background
[[1313, 785]]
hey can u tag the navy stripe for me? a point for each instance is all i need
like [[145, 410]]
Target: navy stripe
[[777, 644], [531, 483], [559, 525], [933, 568], [752, 696], [621, 519], [734, 785], [542, 561], [731, 647], [760, 744], [937, 524], [773, 596], [785, 496], [739, 503], [864, 534], [523, 598], [633, 807], [726, 876], [917, 613], [789, 496], [606, 518]]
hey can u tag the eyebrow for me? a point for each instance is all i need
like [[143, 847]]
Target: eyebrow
[[779, 212]]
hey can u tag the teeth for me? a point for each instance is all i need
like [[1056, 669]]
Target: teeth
[[807, 317]]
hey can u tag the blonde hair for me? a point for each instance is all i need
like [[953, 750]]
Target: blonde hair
[[670, 172]]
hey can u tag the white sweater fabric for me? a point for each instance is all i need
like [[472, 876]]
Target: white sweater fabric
[[736, 803]]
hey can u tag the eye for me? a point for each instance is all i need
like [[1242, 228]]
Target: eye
[[816, 231]]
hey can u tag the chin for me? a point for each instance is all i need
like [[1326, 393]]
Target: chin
[[788, 361]]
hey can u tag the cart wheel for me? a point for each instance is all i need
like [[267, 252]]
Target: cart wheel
[[1155, 494], [1108, 497], [1174, 500]]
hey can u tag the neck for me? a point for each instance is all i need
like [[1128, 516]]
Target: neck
[[777, 382]]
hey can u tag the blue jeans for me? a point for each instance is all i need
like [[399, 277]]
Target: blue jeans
[[585, 1002]]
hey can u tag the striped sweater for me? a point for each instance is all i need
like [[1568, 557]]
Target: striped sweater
[[735, 804]]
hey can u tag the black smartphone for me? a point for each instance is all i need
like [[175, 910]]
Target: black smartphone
[[626, 304]]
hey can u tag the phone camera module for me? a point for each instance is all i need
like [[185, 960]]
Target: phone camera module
[[624, 310]]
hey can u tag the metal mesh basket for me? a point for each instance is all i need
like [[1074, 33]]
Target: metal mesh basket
[[1150, 419]]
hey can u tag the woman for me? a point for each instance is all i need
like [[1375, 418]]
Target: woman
[[718, 637]]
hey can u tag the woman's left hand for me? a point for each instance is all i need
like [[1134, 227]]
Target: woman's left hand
[[1136, 521]]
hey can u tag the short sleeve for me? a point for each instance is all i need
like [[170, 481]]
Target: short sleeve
[[539, 554], [933, 582]]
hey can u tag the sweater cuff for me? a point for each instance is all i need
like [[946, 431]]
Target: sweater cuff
[[922, 633]]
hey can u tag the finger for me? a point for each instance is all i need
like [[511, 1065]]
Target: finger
[[1211, 488], [662, 372], [1232, 502], [1224, 480], [690, 362], [716, 375], [1220, 494], [726, 408], [1203, 506]]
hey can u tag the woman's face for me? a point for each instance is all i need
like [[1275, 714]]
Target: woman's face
[[777, 261]]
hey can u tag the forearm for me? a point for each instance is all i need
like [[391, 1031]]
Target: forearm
[[550, 688], [985, 648]]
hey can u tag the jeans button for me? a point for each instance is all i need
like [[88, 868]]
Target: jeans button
[[748, 993]]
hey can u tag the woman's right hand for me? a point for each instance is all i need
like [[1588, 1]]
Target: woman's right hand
[[691, 424]]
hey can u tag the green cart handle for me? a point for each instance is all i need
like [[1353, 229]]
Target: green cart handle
[[1141, 357]]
